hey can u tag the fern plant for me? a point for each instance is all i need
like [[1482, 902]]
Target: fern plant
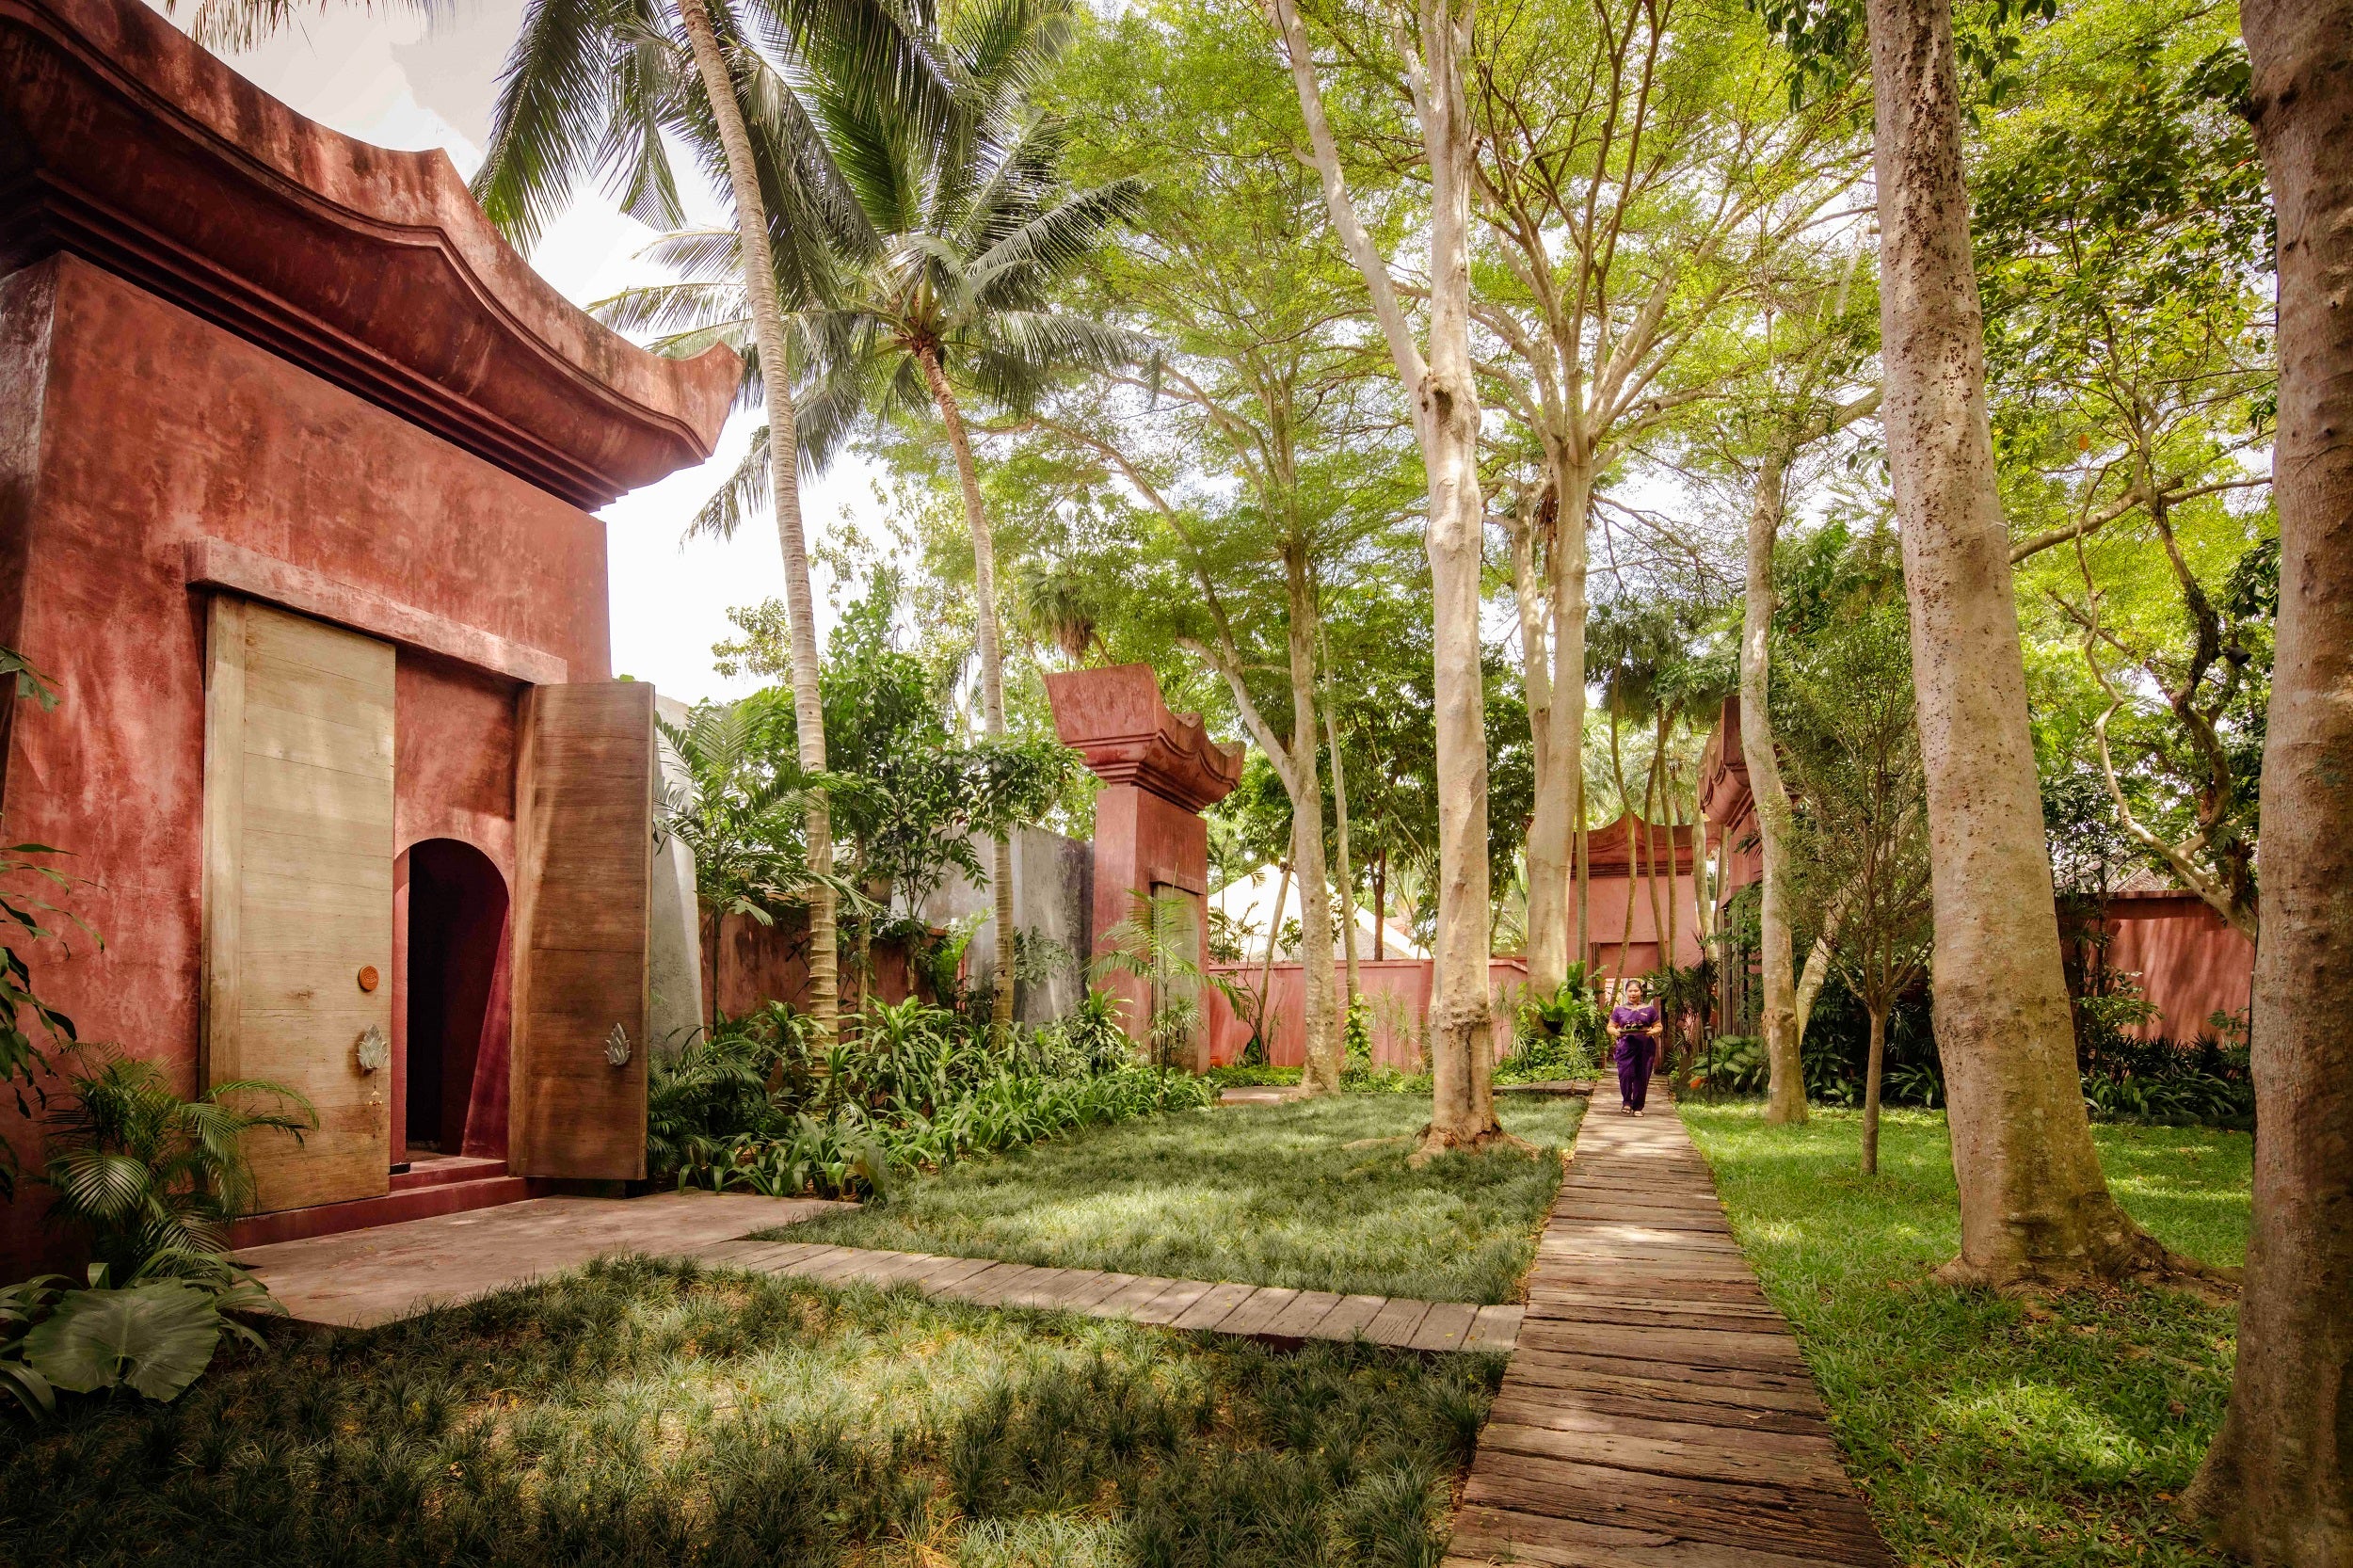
[[155, 1179]]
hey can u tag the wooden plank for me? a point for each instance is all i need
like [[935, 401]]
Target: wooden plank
[[1172, 1302], [1129, 1301], [1494, 1328], [298, 888], [1306, 1313], [1485, 1534], [1446, 1326], [1349, 1320], [947, 1273], [1395, 1323], [1258, 1314], [1100, 1287], [584, 798], [1213, 1306]]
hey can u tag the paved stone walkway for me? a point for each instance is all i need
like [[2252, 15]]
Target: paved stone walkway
[[1261, 1311], [1657, 1413], [360, 1279]]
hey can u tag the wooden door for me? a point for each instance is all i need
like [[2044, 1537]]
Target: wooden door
[[298, 889], [584, 829]]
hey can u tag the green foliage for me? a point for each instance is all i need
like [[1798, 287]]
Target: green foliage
[[754, 1105], [641, 1412], [25, 920], [151, 1178], [1318, 1194], [1983, 1427], [154, 1338]]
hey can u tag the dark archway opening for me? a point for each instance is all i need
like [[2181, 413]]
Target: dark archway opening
[[456, 911]]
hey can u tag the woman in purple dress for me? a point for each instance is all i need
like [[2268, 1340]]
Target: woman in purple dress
[[1635, 1024]]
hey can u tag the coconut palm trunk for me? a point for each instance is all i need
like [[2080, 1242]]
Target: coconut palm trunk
[[1785, 1093], [2278, 1486], [760, 287], [992, 661], [2034, 1204]]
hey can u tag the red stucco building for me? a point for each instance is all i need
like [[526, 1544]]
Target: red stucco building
[[2191, 964], [297, 464]]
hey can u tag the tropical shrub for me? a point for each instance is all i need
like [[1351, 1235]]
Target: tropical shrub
[[153, 1335], [919, 1087], [155, 1179]]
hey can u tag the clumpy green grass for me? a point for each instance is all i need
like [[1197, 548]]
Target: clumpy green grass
[[1990, 1431], [1317, 1196], [640, 1413]]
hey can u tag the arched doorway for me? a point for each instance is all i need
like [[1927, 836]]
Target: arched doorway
[[456, 913]]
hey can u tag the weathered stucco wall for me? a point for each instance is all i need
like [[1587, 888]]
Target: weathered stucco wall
[[132, 428]]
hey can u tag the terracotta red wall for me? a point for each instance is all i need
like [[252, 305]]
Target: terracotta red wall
[[2191, 964], [1397, 991], [1606, 925], [129, 427], [752, 964]]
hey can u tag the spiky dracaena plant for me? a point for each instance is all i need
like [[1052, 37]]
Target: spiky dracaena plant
[[155, 1178], [975, 235]]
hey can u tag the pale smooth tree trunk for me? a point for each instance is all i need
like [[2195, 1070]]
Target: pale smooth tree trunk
[[1347, 878], [2034, 1204], [1546, 849], [2278, 1486], [760, 287], [1784, 1091], [1443, 395], [1871, 1077], [992, 666], [1266, 970], [1583, 843], [1304, 782]]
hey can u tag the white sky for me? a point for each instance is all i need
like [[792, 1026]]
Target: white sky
[[400, 81]]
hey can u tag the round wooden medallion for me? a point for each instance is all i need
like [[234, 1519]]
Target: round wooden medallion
[[367, 977]]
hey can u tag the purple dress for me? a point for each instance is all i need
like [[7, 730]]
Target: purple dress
[[1637, 1053]]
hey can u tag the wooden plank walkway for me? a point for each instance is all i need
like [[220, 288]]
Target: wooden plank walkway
[[1259, 1311], [1657, 1413]]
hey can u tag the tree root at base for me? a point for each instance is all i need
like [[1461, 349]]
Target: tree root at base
[[1485, 1141]]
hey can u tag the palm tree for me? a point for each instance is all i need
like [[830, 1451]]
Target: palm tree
[[974, 234], [596, 86]]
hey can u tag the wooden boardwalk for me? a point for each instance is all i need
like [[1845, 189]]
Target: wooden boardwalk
[[1261, 1311], [1657, 1413]]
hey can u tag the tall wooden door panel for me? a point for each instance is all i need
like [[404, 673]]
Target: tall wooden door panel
[[299, 888], [584, 821]]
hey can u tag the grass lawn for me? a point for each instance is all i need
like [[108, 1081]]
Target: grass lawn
[[1991, 1432], [1316, 1196], [640, 1413]]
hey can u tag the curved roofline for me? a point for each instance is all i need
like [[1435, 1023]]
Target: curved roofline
[[124, 142]]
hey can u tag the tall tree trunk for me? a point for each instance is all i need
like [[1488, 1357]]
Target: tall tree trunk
[[1674, 878], [1444, 393], [1653, 788], [1871, 1075], [1347, 879], [1785, 1092], [1273, 938], [1381, 906], [1626, 815], [1547, 849], [992, 666], [784, 447], [2034, 1206], [1321, 1074], [2278, 1485], [1584, 846], [1567, 582]]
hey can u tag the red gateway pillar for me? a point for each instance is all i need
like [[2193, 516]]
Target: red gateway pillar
[[1159, 772]]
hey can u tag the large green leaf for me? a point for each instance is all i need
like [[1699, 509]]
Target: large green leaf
[[156, 1339]]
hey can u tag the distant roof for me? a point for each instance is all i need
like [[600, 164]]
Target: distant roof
[[125, 143]]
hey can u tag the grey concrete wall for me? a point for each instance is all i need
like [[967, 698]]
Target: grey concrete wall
[[674, 937], [1054, 901]]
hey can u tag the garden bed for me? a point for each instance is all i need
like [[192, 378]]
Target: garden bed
[[1317, 1196], [638, 1413], [1989, 1430]]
